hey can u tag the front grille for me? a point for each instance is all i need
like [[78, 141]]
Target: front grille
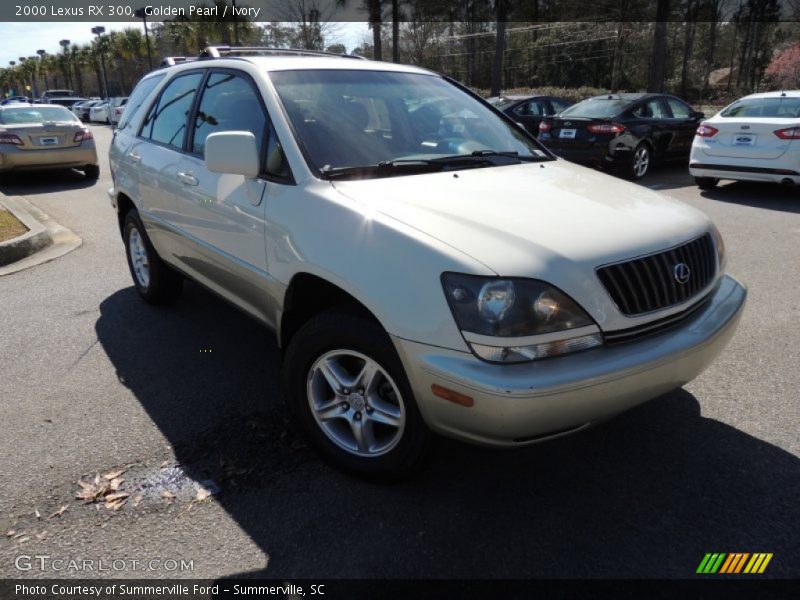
[[649, 283]]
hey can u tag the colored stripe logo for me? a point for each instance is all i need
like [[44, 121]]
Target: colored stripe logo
[[734, 563]]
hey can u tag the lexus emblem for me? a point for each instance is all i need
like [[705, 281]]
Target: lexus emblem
[[681, 272]]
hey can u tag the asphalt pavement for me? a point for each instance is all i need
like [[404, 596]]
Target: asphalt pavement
[[92, 380]]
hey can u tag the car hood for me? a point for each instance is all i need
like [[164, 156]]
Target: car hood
[[555, 221]]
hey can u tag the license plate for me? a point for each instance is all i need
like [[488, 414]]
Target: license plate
[[568, 134], [743, 140], [48, 141]]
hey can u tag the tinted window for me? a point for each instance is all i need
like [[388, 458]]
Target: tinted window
[[788, 108], [137, 98], [679, 109], [228, 104], [532, 108], [166, 121], [559, 105], [596, 108], [652, 109]]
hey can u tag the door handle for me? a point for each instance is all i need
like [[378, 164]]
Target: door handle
[[134, 157], [187, 178]]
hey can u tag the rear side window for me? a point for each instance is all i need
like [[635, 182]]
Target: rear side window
[[140, 93], [532, 108], [652, 109], [765, 108], [229, 103], [559, 104], [166, 122]]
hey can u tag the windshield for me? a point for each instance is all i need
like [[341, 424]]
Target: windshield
[[16, 116], [596, 108], [348, 119], [787, 108]]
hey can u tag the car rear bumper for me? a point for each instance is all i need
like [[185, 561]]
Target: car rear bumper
[[524, 403], [54, 158], [743, 173]]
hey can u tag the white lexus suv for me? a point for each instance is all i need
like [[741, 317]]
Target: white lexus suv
[[427, 266], [757, 138]]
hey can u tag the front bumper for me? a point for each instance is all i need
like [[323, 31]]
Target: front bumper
[[525, 403]]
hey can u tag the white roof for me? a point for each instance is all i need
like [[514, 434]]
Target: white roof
[[291, 63], [776, 94]]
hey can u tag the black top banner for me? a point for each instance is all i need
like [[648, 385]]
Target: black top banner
[[383, 10]]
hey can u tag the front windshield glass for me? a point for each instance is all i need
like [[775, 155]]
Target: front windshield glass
[[363, 118], [596, 108], [27, 114]]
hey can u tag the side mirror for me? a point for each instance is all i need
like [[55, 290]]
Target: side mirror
[[232, 152]]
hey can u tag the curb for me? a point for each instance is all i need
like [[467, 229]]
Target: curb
[[45, 240], [37, 237]]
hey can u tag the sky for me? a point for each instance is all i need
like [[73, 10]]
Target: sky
[[24, 39]]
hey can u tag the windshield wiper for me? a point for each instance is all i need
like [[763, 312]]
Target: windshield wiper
[[382, 169]]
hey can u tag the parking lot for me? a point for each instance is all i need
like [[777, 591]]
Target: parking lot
[[92, 380]]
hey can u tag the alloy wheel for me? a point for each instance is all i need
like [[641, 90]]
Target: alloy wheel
[[641, 161], [139, 257]]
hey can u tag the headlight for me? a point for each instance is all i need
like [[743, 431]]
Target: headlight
[[515, 320], [720, 244]]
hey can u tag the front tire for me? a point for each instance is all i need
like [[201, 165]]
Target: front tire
[[706, 183], [155, 281], [348, 393], [641, 161]]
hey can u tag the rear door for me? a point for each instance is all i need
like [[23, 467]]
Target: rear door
[[156, 154], [683, 123], [653, 123], [531, 112]]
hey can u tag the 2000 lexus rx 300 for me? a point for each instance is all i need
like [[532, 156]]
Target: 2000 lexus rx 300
[[444, 275]]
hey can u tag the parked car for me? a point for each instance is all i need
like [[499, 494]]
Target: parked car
[[45, 136], [99, 112], [81, 109], [460, 280], [628, 132], [530, 110], [50, 94], [67, 102], [753, 139], [15, 100], [117, 108]]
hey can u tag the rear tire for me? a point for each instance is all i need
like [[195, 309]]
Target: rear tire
[[92, 172], [641, 161], [706, 183], [156, 282], [347, 391]]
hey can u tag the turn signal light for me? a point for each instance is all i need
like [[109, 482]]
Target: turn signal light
[[706, 131], [83, 134], [792, 133], [614, 128], [10, 138], [452, 396]]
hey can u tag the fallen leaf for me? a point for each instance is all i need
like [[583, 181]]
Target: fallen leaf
[[167, 495], [37, 513], [40, 536], [114, 474], [165, 464], [116, 504], [137, 500], [60, 511], [115, 483], [117, 496], [19, 535], [11, 533], [202, 494], [23, 539]]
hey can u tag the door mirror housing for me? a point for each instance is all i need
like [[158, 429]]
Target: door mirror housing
[[232, 152]]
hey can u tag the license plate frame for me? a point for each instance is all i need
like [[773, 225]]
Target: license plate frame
[[567, 134]]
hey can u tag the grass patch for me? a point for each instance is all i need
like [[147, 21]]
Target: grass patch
[[10, 227]]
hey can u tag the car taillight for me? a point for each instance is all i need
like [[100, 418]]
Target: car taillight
[[83, 134], [792, 133], [614, 128], [706, 131], [10, 138], [545, 126]]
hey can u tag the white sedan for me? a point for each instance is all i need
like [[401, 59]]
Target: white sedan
[[750, 140], [99, 113]]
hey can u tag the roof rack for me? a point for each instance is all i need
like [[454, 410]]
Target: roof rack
[[170, 61], [223, 51]]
